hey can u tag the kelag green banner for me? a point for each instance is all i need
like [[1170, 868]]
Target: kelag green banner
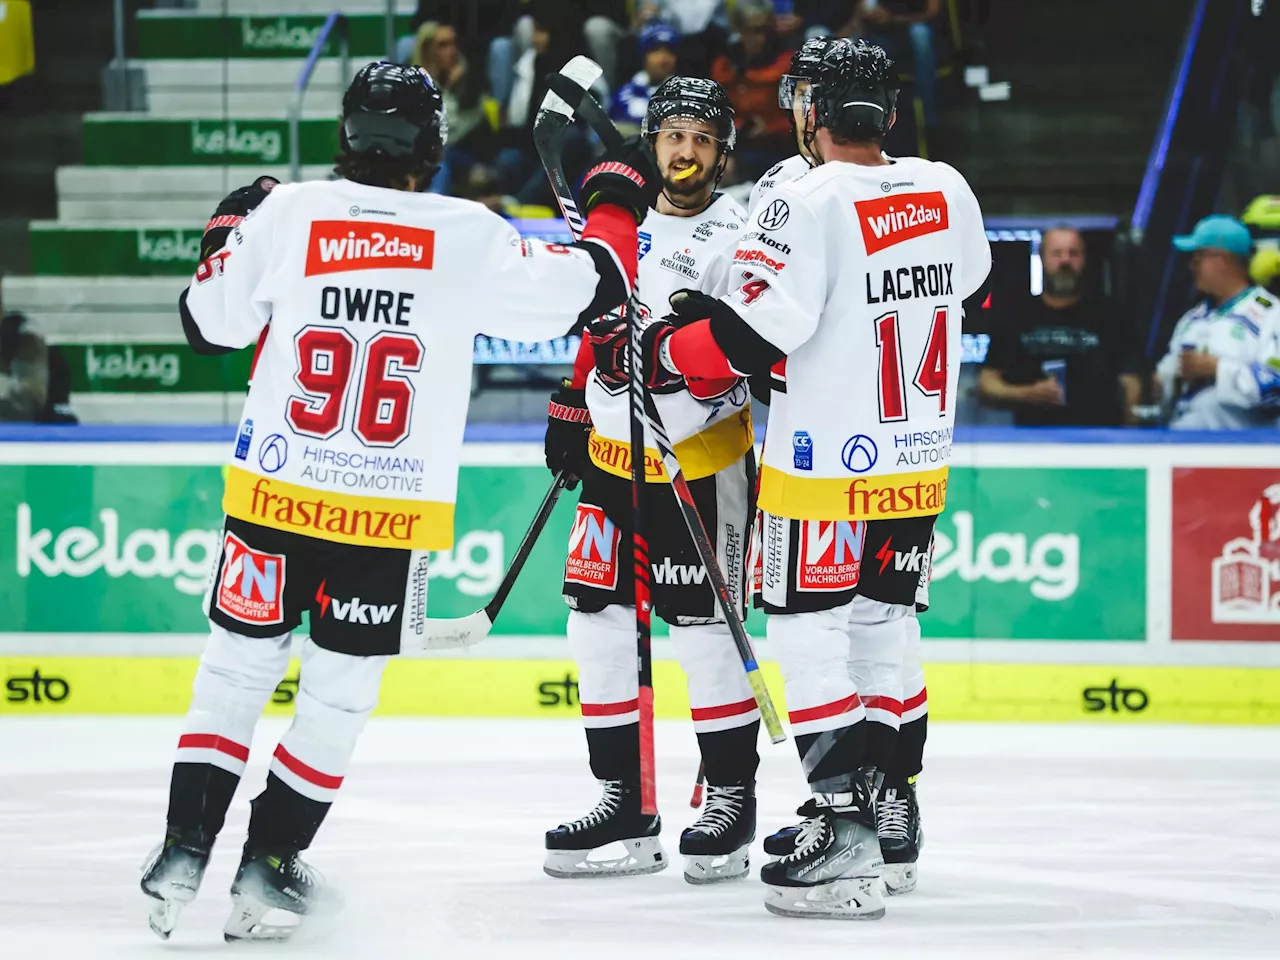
[[123, 141], [167, 35], [1021, 553]]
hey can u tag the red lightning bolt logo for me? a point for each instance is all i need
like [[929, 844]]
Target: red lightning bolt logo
[[323, 598], [884, 553]]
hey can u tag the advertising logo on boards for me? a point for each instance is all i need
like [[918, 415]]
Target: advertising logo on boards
[[1226, 554]]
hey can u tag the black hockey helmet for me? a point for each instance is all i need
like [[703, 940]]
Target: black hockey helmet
[[854, 91], [804, 66], [396, 112], [697, 99]]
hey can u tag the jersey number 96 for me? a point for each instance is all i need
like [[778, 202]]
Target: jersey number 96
[[332, 370]]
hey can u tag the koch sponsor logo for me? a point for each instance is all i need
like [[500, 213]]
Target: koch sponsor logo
[[80, 552], [475, 564], [338, 245], [889, 220], [354, 611], [273, 453], [774, 216], [673, 574], [230, 139], [859, 453], [768, 241], [255, 34], [168, 246], [914, 562], [107, 364], [1049, 565]]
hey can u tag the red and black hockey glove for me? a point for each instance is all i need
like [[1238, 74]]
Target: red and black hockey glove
[[610, 343], [627, 177], [234, 207], [568, 430]]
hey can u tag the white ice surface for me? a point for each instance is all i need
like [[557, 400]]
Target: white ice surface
[[1040, 841]]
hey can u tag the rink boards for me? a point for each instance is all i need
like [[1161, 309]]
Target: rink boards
[[1098, 575]]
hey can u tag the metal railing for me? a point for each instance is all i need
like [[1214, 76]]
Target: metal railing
[[336, 21]]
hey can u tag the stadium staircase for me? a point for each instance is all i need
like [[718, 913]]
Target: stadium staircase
[[106, 273]]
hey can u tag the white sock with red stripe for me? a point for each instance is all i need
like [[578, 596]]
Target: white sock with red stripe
[[236, 678], [336, 694], [725, 716], [878, 635]]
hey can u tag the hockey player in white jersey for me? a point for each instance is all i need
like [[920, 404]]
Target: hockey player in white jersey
[[857, 272], [364, 296], [686, 241], [1222, 369], [896, 702]]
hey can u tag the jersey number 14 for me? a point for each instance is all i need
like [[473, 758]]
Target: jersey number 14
[[931, 374], [331, 369]]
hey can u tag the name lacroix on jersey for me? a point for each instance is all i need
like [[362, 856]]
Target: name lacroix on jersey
[[887, 221], [336, 246]]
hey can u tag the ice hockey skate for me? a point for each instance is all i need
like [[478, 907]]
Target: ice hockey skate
[[898, 824], [717, 845], [836, 868], [783, 842], [172, 875], [272, 892], [624, 841]]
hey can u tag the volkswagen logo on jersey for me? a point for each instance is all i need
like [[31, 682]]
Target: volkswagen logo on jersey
[[802, 450], [273, 453], [859, 453], [775, 215], [644, 243]]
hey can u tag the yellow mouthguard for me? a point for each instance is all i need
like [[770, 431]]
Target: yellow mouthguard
[[686, 173]]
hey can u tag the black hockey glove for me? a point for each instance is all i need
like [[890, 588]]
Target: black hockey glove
[[234, 207], [627, 177], [568, 428]]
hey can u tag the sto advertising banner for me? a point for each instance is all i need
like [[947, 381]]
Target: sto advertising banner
[[1022, 553], [1226, 554]]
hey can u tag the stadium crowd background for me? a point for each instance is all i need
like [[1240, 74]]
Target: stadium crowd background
[[1086, 175]]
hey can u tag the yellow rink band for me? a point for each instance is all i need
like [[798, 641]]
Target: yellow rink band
[[718, 447], [878, 497], [338, 517], [1030, 692]]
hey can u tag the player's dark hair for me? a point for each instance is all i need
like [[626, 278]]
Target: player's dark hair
[[393, 127]]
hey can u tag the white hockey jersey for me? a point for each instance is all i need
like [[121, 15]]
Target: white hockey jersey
[[365, 303], [858, 275], [778, 174], [678, 253], [1244, 334]]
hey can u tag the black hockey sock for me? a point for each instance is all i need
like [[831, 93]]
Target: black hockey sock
[[730, 756], [908, 756], [283, 819], [615, 752], [199, 795], [882, 741], [831, 760]]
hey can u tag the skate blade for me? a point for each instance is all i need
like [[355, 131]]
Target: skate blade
[[639, 856], [849, 898], [251, 919], [164, 917], [899, 878], [700, 869]]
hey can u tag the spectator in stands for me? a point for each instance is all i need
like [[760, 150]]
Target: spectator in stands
[[436, 51], [24, 371], [750, 70], [658, 44], [1222, 370], [483, 28], [703, 26], [898, 24], [1065, 358], [823, 18]]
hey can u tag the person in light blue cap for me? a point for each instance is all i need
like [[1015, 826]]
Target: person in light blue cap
[[1222, 370]]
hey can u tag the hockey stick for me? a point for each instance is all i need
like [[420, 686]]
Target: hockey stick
[[548, 129], [696, 800], [450, 633], [566, 90]]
